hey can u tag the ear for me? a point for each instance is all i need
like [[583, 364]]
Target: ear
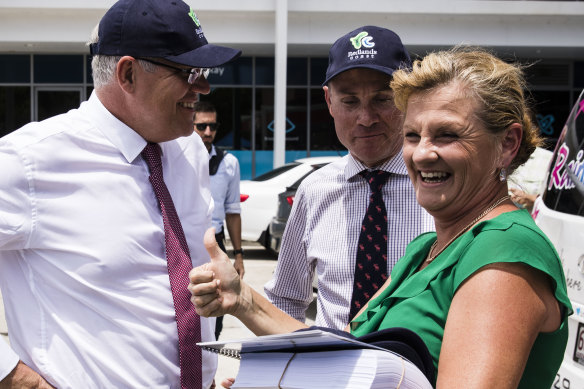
[[126, 73], [327, 98], [510, 143]]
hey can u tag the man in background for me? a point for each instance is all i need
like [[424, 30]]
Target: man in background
[[352, 219], [224, 176]]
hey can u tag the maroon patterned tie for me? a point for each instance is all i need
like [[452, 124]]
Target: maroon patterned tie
[[179, 264], [371, 263]]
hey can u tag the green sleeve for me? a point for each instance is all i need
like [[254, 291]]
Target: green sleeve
[[516, 244]]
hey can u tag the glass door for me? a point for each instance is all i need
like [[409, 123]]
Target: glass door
[[51, 101]]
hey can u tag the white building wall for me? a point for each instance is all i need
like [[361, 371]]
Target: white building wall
[[530, 28]]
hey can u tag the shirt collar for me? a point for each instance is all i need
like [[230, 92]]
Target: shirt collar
[[395, 165], [124, 138], [213, 151]]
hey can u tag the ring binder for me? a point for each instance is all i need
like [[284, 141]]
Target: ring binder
[[228, 352], [316, 358]]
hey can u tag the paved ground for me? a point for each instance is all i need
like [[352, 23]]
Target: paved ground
[[259, 266]]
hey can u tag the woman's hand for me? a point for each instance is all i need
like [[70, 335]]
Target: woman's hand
[[218, 290], [215, 286]]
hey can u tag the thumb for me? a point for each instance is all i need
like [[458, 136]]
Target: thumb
[[212, 247]]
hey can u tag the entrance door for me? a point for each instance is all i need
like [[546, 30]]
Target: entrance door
[[51, 101]]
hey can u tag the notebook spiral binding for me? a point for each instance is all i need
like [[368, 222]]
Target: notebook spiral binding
[[228, 352]]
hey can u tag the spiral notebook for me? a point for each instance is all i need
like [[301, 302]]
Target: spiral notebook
[[316, 359], [302, 341]]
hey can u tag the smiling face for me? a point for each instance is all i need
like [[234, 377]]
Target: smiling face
[[165, 101], [450, 155], [366, 120]]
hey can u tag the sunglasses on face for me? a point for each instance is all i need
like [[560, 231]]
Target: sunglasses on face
[[193, 73], [203, 126]]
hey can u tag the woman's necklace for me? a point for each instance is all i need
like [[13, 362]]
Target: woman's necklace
[[431, 257]]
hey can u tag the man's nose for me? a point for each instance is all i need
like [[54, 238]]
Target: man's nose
[[201, 85], [367, 116]]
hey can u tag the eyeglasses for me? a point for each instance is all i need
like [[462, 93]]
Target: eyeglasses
[[193, 73], [203, 126]]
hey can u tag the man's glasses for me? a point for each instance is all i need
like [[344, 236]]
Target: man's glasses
[[193, 73], [203, 126]]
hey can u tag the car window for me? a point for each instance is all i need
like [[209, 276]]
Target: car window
[[276, 172], [565, 184], [295, 185]]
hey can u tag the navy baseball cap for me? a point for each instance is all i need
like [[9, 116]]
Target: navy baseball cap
[[166, 29], [368, 47]]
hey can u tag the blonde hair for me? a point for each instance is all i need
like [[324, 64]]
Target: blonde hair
[[498, 87]]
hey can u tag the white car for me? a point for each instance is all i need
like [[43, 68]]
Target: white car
[[259, 197], [559, 212]]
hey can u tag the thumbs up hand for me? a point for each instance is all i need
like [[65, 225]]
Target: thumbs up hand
[[215, 286], [217, 290]]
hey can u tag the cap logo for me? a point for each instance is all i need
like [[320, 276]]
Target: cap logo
[[362, 39], [199, 30], [363, 44], [193, 16]]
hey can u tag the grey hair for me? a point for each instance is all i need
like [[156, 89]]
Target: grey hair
[[103, 67]]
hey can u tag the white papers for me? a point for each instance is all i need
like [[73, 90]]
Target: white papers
[[358, 369], [317, 359]]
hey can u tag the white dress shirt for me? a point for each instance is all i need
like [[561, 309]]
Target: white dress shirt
[[322, 233], [82, 259], [225, 188]]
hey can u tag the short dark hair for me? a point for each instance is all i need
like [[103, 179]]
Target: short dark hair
[[204, 106]]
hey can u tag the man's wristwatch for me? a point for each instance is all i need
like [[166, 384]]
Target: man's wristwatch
[[238, 251]]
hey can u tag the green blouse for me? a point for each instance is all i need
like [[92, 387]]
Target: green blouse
[[420, 300]]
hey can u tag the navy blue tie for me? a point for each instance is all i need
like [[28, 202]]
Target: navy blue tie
[[371, 264]]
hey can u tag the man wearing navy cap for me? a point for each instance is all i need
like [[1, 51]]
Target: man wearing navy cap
[[329, 227], [327, 231], [99, 222]]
